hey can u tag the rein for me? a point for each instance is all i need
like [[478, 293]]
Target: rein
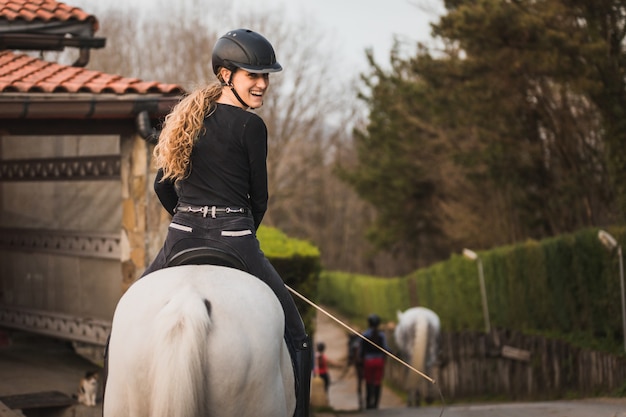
[[351, 330]]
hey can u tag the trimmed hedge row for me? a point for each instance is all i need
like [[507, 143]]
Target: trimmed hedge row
[[566, 286], [298, 263]]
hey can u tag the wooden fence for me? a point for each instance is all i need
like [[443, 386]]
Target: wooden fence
[[512, 366]]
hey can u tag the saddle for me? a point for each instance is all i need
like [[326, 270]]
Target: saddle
[[208, 256]]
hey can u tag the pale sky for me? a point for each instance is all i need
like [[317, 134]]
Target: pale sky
[[355, 24], [361, 24]]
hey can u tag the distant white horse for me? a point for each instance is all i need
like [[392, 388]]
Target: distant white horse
[[198, 341], [417, 338]]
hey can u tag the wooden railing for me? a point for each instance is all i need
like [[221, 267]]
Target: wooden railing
[[513, 366]]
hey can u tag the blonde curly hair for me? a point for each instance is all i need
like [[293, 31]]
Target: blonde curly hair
[[182, 127]]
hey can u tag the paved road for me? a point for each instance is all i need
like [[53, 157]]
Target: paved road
[[581, 408]]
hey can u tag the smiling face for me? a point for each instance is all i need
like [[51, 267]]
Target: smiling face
[[250, 87]]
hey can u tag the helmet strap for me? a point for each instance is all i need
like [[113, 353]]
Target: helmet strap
[[232, 88]]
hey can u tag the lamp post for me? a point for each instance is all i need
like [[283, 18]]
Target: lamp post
[[469, 254], [610, 243]]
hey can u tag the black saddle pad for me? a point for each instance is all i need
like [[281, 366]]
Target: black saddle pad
[[208, 256]]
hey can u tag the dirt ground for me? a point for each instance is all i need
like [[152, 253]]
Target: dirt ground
[[342, 395]]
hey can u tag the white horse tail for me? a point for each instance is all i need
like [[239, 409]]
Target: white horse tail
[[420, 348], [179, 362]]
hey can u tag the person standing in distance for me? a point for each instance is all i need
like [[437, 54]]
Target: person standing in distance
[[212, 177], [373, 360], [321, 365]]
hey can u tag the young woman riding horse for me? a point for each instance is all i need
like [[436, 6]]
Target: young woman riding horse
[[212, 176]]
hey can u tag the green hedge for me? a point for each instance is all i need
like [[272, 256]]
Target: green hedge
[[567, 286], [357, 296], [298, 263]]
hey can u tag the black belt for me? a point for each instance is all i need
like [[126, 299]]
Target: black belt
[[213, 211]]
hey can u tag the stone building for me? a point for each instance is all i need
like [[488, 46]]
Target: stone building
[[76, 203]]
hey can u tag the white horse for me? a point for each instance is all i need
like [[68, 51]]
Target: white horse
[[199, 341], [417, 338]]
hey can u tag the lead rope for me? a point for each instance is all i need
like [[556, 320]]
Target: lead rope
[[351, 330]]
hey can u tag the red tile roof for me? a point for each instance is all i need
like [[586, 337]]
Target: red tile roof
[[24, 74], [43, 11]]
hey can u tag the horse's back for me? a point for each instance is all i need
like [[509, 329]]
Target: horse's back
[[199, 340], [409, 323], [413, 314]]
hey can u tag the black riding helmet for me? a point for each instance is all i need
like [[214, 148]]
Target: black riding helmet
[[373, 320], [245, 49]]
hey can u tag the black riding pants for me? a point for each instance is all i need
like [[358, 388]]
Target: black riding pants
[[234, 234]]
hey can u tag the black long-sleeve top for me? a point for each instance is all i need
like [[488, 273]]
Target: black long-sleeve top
[[228, 166]]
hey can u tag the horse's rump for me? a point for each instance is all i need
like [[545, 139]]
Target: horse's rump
[[416, 335], [199, 340]]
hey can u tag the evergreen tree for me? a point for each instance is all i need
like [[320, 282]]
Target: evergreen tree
[[515, 130]]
